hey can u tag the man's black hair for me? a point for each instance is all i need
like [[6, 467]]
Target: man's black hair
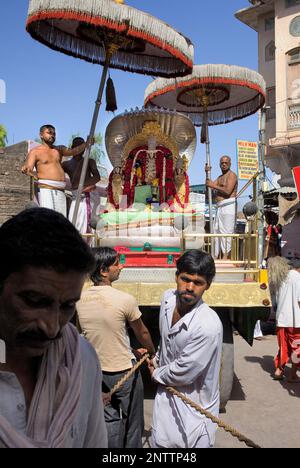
[[197, 262], [45, 127], [77, 141], [42, 238], [104, 257]]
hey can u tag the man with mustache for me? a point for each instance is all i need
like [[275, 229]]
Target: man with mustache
[[50, 382], [46, 159], [188, 358]]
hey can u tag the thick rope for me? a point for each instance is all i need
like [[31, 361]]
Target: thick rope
[[128, 375], [214, 419], [189, 402]]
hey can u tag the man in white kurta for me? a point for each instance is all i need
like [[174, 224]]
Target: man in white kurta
[[189, 359]]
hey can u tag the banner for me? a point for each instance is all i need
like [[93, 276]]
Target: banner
[[296, 175], [247, 157]]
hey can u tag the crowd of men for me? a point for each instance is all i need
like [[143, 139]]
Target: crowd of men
[[56, 384], [51, 380]]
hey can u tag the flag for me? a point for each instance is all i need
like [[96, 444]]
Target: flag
[[296, 174]]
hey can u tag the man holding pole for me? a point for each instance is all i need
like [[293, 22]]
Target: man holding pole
[[225, 188], [46, 159]]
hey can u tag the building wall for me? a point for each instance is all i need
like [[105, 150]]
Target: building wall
[[284, 43], [267, 68], [14, 186], [290, 236]]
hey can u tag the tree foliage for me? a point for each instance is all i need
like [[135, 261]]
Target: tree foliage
[[3, 136], [97, 152]]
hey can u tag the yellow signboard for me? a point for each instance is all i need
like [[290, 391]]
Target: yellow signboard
[[247, 156]]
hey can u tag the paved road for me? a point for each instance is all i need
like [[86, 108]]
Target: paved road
[[264, 410]]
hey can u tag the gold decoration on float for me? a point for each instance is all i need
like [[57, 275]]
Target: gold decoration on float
[[219, 295], [151, 128]]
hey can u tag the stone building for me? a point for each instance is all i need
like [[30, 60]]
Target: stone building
[[15, 188], [277, 23]]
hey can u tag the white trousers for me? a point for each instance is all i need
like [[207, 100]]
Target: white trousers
[[87, 208], [224, 223]]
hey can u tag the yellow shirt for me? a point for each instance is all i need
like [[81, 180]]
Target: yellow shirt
[[103, 313]]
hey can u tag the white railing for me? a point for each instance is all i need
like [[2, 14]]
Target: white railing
[[294, 116], [243, 246]]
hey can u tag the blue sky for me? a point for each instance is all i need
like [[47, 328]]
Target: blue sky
[[44, 86]]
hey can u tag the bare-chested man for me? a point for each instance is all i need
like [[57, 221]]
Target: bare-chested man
[[225, 188], [89, 197], [46, 159]]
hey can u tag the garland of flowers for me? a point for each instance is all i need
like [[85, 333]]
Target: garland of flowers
[[127, 176], [170, 185], [130, 176], [164, 173], [110, 192], [159, 171]]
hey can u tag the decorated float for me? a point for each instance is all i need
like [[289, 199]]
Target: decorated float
[[148, 199]]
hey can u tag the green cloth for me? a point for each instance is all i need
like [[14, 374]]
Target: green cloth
[[141, 193], [124, 217]]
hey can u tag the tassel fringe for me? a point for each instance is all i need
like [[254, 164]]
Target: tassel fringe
[[245, 89], [111, 100], [55, 23]]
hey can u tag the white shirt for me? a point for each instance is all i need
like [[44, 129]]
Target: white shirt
[[288, 298], [88, 429], [189, 359]]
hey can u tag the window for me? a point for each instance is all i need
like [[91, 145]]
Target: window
[[270, 52], [271, 102], [293, 56], [295, 27], [291, 3], [270, 24], [293, 85]]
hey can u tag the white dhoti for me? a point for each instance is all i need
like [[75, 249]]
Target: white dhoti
[[87, 207], [51, 194], [224, 224], [257, 330]]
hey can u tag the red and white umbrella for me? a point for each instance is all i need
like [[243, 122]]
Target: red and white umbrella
[[114, 35]]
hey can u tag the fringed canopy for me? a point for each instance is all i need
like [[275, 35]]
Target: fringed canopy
[[82, 28], [227, 92], [132, 129]]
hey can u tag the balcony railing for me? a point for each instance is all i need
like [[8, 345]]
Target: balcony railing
[[294, 116]]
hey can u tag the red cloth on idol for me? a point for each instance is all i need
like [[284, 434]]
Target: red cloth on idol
[[289, 347]]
